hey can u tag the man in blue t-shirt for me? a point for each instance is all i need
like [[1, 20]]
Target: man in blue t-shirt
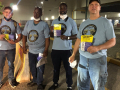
[[8, 30], [62, 46], [36, 34], [93, 63]]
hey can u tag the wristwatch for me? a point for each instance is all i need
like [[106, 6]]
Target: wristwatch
[[68, 38]]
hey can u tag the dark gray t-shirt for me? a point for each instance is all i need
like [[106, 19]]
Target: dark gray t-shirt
[[8, 28]]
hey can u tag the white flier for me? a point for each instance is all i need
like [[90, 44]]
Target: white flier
[[40, 55], [73, 64], [82, 46], [41, 60], [0, 44]]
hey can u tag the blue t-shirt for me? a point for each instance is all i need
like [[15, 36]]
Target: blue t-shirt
[[71, 29], [8, 28], [102, 31], [36, 35]]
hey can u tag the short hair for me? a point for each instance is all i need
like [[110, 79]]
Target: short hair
[[63, 4], [39, 8], [8, 7]]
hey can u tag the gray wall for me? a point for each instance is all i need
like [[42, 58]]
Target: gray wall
[[83, 2], [26, 7], [50, 8], [79, 15]]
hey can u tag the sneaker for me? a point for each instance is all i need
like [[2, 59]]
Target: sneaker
[[1, 85], [53, 87], [12, 83], [69, 88], [30, 84], [40, 87]]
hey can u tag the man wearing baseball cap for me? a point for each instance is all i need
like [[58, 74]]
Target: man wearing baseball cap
[[95, 36]]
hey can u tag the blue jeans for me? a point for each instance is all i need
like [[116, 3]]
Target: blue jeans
[[94, 69], [37, 73], [10, 54]]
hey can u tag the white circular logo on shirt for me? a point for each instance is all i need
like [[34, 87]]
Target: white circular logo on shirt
[[33, 36]]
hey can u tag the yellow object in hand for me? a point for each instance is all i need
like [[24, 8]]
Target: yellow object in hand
[[57, 26], [7, 36], [87, 38]]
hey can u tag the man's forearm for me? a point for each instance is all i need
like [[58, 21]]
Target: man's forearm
[[72, 37], [51, 34], [24, 40], [108, 44], [76, 46], [47, 43], [19, 38], [2, 36]]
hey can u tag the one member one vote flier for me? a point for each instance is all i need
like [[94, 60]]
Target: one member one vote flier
[[86, 41], [57, 30], [9, 36]]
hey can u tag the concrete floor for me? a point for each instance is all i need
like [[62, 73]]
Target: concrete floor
[[113, 82]]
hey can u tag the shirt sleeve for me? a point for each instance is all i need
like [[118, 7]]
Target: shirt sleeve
[[18, 29], [24, 32], [46, 31], [79, 32], [74, 28], [52, 23], [110, 31]]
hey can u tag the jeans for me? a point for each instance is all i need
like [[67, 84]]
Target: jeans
[[37, 73], [10, 54], [94, 69]]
